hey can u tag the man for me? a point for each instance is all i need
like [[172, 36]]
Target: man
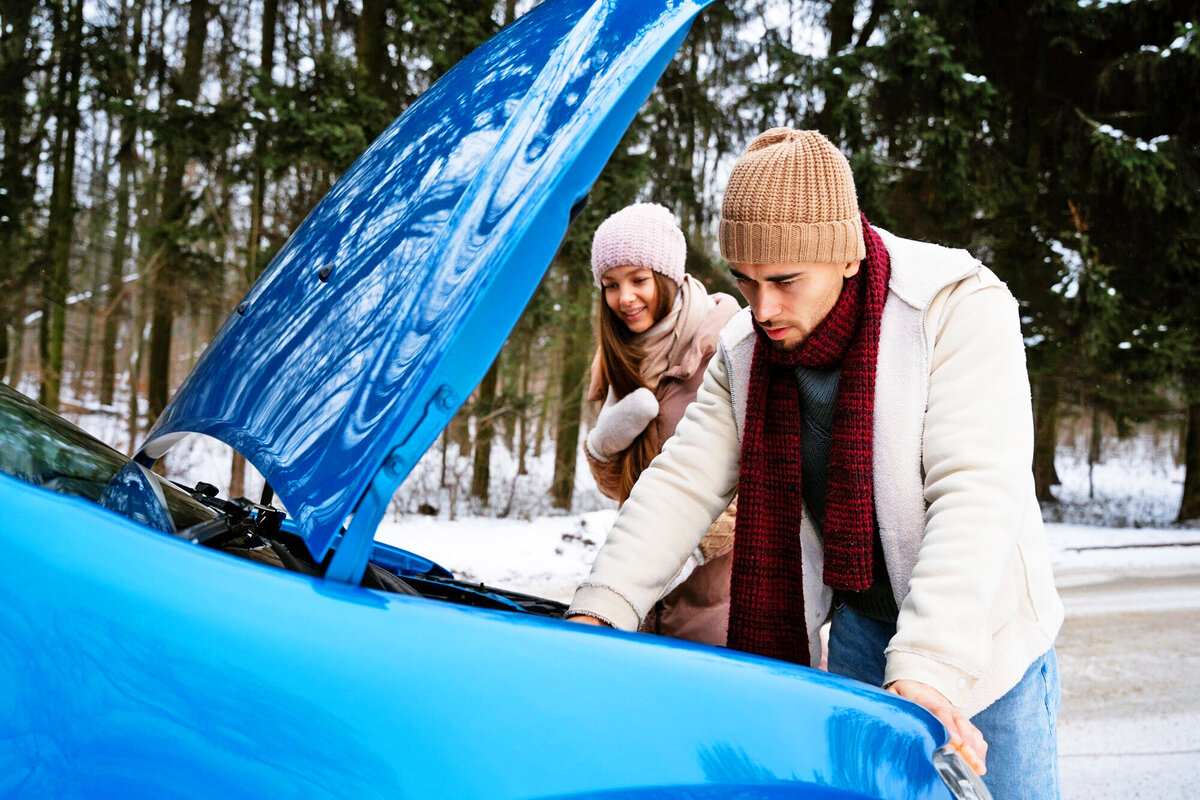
[[872, 410]]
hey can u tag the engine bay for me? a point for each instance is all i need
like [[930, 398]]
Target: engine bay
[[254, 532]]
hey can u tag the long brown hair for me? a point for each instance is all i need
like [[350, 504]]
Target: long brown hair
[[620, 369]]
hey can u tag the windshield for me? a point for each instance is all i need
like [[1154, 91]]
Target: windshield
[[40, 447]]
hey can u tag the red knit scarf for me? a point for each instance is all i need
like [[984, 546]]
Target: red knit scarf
[[766, 609]]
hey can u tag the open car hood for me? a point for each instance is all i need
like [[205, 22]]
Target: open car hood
[[387, 305]]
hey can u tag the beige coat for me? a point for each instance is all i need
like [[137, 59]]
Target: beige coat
[[961, 528]]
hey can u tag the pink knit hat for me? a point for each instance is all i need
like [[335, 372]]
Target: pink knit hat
[[641, 235]]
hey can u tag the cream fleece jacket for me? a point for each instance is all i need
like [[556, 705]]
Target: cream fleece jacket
[[961, 528]]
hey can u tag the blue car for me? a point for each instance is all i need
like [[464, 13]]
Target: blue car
[[161, 641]]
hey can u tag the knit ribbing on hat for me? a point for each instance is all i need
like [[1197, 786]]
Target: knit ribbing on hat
[[640, 235], [791, 199]]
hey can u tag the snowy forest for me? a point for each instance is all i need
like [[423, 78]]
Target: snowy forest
[[157, 153]]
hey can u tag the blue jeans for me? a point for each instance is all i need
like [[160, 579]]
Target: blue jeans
[[1020, 728]]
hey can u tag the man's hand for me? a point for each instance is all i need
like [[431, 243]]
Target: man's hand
[[584, 619], [964, 736]]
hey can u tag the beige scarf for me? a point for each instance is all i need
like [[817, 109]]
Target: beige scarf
[[671, 349]]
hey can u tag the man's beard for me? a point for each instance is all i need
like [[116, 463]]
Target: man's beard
[[781, 346], [784, 347]]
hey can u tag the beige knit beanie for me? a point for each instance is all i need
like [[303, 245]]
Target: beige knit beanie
[[791, 199]]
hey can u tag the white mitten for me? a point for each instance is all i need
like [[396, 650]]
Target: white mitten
[[620, 423]]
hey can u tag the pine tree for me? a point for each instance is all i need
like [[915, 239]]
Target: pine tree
[[17, 61], [999, 127]]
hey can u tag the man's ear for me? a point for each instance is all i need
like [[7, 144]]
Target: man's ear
[[851, 268]]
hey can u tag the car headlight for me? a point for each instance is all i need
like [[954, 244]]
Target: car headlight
[[962, 780]]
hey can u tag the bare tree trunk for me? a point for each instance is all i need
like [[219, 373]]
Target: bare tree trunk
[[7, 341], [1189, 506], [576, 346], [84, 377], [237, 475], [523, 419], [61, 225], [17, 343], [15, 189], [139, 327], [1094, 448], [98, 218], [445, 446], [539, 434], [369, 45], [137, 348], [1045, 437], [167, 247], [566, 439], [266, 64], [116, 268], [485, 428], [126, 156], [460, 431]]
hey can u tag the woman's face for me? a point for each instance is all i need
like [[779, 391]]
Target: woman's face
[[630, 292]]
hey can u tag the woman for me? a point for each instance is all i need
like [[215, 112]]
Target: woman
[[658, 330]]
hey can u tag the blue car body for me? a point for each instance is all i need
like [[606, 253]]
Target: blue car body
[[137, 663]]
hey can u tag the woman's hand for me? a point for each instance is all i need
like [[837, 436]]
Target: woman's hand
[[620, 423], [584, 619], [964, 737]]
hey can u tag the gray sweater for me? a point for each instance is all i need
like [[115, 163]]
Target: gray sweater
[[818, 390]]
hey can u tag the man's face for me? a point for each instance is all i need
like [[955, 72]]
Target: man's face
[[789, 300]]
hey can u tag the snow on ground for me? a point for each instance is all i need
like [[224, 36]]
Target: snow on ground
[[1137, 483], [548, 556], [1085, 555]]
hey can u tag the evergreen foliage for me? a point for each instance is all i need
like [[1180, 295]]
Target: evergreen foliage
[[1058, 140]]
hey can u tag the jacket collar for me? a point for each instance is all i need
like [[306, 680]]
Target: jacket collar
[[920, 270]]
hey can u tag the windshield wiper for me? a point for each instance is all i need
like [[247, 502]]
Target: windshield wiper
[[236, 517]]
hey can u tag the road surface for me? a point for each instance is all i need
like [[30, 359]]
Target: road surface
[[1129, 653]]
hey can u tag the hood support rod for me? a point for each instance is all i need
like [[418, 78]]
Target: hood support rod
[[349, 561]]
